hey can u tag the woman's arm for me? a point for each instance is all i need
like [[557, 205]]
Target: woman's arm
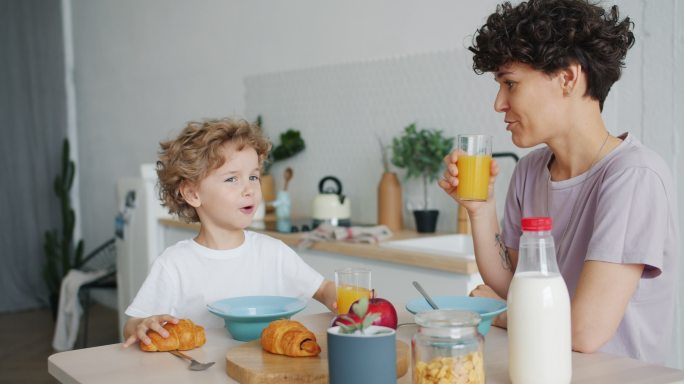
[[600, 301], [495, 262]]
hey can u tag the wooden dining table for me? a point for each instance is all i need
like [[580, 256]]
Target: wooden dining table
[[115, 364]]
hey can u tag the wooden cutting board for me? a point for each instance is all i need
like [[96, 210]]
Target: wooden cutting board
[[249, 363]]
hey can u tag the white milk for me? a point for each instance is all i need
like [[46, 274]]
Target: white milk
[[539, 347]]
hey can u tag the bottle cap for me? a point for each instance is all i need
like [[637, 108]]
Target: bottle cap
[[537, 224]]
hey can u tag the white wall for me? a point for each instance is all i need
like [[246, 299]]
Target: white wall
[[145, 67], [341, 108]]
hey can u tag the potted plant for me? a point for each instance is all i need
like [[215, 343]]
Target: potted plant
[[360, 352], [291, 143], [421, 153], [61, 252]]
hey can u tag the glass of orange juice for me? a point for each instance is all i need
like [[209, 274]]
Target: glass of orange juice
[[352, 284], [473, 166]]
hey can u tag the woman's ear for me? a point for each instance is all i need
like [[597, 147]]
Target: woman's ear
[[569, 77], [189, 193]]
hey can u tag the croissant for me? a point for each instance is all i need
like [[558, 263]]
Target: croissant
[[182, 336], [290, 338]]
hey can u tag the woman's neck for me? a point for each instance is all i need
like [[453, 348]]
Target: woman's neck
[[580, 144]]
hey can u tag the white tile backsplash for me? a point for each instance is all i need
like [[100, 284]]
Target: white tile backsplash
[[340, 109]]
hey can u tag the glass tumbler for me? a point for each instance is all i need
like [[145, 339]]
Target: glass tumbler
[[352, 284], [473, 166]]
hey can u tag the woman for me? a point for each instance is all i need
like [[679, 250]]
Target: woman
[[611, 199]]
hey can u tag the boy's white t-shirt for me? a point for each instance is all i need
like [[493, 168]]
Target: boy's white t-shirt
[[187, 276]]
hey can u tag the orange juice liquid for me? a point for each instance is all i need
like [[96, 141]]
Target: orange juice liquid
[[473, 177], [348, 294]]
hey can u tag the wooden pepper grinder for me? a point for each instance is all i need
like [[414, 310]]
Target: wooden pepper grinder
[[389, 195], [389, 202]]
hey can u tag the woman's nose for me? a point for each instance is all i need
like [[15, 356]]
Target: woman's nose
[[500, 103]]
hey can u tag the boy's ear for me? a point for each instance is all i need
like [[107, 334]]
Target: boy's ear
[[189, 192]]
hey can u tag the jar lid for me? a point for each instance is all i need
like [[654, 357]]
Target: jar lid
[[447, 318]]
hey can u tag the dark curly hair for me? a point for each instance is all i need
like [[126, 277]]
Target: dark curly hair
[[196, 152], [549, 35]]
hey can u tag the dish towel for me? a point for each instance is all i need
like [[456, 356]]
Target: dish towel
[[327, 232], [69, 311]]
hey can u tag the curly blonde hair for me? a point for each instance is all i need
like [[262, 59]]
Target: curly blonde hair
[[196, 152]]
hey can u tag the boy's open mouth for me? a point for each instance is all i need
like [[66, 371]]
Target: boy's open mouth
[[247, 209]]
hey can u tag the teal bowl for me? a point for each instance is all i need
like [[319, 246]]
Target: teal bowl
[[246, 316], [486, 307]]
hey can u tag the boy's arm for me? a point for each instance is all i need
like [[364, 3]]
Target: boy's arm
[[129, 327], [327, 295]]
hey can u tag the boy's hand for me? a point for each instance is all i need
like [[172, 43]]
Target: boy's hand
[[152, 323]]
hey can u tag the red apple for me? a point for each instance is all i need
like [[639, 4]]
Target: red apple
[[388, 314]]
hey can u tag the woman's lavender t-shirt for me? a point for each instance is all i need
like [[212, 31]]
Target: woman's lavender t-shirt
[[623, 210]]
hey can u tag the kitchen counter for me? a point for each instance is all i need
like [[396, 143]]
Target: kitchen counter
[[453, 264], [114, 364]]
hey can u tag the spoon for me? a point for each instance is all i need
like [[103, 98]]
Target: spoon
[[425, 295], [288, 175], [194, 364]]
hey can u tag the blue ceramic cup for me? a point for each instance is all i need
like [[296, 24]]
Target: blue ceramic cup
[[367, 358]]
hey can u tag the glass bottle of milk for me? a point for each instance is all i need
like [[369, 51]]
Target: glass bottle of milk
[[539, 346]]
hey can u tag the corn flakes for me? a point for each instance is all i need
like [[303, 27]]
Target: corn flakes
[[466, 369]]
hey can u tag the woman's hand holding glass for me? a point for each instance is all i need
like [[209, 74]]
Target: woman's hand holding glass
[[450, 181]]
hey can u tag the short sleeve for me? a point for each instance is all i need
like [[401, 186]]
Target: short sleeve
[[156, 295], [300, 279], [512, 231], [631, 221]]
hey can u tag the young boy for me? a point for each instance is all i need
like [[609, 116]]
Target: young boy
[[210, 174]]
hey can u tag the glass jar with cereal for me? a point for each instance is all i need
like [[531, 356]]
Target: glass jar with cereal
[[448, 348]]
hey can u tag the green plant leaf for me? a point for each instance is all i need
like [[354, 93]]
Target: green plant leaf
[[361, 307], [60, 252], [368, 320], [347, 329], [291, 144], [421, 152]]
